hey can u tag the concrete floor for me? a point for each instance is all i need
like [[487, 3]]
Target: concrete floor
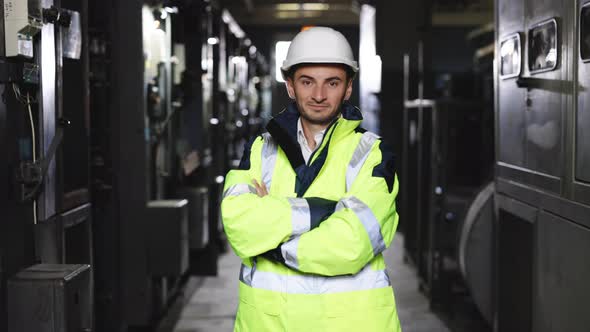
[[212, 307]]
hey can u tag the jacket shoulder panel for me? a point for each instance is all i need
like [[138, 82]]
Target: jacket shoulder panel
[[386, 168], [245, 163]]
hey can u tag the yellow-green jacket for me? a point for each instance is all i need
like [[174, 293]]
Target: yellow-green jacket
[[311, 249]]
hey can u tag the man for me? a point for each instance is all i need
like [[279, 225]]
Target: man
[[312, 205]]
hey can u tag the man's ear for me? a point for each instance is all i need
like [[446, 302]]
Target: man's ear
[[290, 88], [348, 90]]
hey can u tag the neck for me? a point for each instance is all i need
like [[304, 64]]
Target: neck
[[310, 130]]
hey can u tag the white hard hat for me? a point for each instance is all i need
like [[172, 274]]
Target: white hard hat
[[319, 45]]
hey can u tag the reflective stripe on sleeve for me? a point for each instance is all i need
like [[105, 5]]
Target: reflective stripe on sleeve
[[247, 273], [239, 189], [360, 154], [367, 218], [269, 158], [289, 252], [365, 279], [300, 215]]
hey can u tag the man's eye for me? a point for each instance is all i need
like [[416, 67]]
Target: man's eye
[[306, 83], [333, 84]]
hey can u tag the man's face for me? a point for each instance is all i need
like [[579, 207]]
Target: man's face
[[319, 90]]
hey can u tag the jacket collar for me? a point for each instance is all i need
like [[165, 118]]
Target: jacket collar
[[283, 129], [287, 120]]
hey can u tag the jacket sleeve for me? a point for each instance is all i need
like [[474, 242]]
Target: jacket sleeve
[[254, 224], [361, 227]]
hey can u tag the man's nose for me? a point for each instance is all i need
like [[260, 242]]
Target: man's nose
[[319, 94]]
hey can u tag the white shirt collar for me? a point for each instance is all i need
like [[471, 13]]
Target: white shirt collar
[[306, 151], [301, 135]]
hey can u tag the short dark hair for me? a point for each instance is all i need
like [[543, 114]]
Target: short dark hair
[[350, 74]]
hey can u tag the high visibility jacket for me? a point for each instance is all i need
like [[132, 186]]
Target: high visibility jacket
[[311, 249]]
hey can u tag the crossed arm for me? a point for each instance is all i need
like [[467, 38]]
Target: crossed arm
[[312, 235]]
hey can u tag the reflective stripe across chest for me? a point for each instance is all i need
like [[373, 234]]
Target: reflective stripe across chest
[[359, 156]]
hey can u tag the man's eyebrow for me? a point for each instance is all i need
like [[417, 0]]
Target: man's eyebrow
[[333, 78]]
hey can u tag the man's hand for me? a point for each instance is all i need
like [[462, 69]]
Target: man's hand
[[260, 188]]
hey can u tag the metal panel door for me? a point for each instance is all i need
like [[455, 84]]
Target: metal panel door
[[510, 115], [546, 96]]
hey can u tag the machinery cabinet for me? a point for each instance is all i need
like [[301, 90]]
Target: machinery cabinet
[[51, 298], [543, 165], [562, 273], [168, 242], [436, 204], [533, 103], [542, 270]]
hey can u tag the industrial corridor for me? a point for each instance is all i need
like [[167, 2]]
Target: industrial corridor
[[294, 166]]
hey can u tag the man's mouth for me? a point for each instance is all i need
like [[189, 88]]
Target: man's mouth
[[316, 106]]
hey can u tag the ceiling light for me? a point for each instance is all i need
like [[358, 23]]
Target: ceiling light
[[283, 15], [288, 6], [315, 6]]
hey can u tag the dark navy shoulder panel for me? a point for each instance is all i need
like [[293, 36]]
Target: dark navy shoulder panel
[[287, 119], [350, 112], [386, 169], [289, 146], [360, 129], [245, 161]]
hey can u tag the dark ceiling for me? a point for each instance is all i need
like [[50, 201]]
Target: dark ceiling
[[294, 12], [346, 12]]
